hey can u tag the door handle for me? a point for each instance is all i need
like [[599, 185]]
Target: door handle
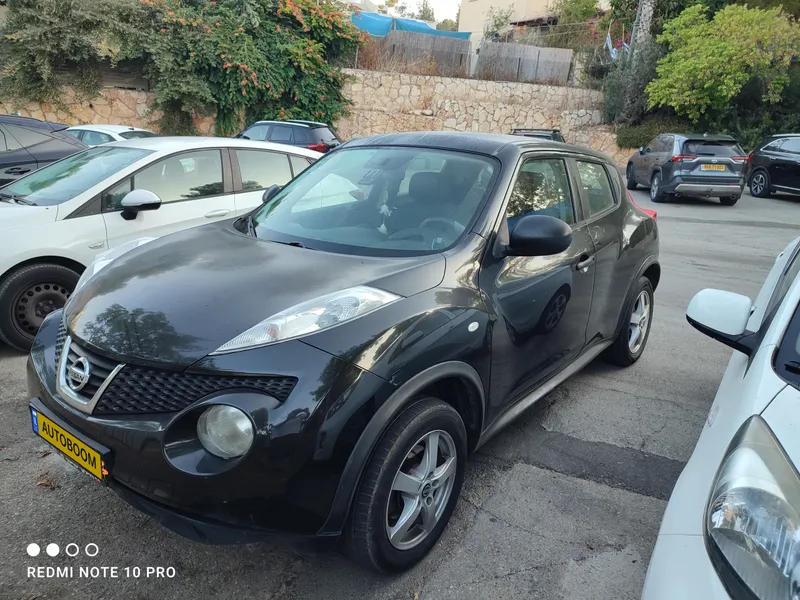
[[585, 263], [220, 212], [17, 171]]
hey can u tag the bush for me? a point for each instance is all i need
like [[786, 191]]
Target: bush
[[633, 136], [624, 99]]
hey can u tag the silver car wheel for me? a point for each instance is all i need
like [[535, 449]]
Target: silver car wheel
[[639, 322], [758, 183], [654, 185], [421, 490]]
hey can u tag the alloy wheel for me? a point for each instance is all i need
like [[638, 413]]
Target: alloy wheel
[[654, 187], [639, 322], [421, 490], [758, 183], [555, 312], [34, 303]]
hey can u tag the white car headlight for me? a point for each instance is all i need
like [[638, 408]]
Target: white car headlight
[[315, 315], [752, 520], [225, 431], [103, 259]]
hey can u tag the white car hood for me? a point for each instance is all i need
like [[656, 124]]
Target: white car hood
[[16, 216]]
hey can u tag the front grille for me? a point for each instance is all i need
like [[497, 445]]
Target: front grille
[[140, 390], [61, 337], [100, 369]]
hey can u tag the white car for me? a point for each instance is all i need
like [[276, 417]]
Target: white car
[[732, 526], [54, 221], [94, 135]]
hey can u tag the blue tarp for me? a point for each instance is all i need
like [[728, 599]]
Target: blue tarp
[[380, 26]]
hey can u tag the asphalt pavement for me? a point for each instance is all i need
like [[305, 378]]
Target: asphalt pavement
[[565, 503]]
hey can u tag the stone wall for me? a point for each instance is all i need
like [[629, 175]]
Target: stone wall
[[112, 106], [388, 102]]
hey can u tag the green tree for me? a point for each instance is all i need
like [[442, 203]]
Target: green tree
[[447, 25], [497, 19], [425, 12], [709, 61], [575, 11]]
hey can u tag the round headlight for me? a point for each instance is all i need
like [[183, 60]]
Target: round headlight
[[225, 431]]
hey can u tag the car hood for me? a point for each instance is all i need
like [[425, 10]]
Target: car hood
[[15, 216], [178, 298]]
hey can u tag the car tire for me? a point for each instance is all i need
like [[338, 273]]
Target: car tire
[[729, 200], [630, 178], [656, 195], [623, 352], [378, 507], [27, 296], [759, 184]]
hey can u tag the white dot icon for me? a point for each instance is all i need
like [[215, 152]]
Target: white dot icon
[[52, 549], [33, 549]]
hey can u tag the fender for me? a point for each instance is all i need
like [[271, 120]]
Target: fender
[[379, 423], [651, 260]]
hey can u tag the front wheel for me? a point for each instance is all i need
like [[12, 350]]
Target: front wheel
[[632, 338], [759, 184], [27, 296], [409, 488], [656, 195], [630, 178]]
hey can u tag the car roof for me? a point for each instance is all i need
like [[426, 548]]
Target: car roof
[[31, 122], [482, 143], [708, 137], [178, 143], [107, 128], [536, 130], [297, 122], [786, 135]]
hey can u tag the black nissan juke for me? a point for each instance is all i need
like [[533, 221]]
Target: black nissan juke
[[322, 367]]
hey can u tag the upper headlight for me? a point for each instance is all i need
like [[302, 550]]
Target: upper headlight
[[315, 315], [752, 520], [105, 258]]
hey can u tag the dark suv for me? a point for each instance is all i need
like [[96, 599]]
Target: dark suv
[[544, 134], [689, 164], [307, 134], [28, 144], [334, 357], [775, 166]]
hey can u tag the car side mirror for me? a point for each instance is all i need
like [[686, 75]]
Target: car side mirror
[[138, 201], [642, 150], [539, 235], [270, 193], [723, 316]]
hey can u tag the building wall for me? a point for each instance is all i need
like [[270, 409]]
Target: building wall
[[473, 12]]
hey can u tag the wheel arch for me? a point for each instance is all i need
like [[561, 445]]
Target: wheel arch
[[42, 260], [649, 268], [454, 382]]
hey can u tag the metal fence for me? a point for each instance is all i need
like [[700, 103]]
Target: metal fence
[[520, 62]]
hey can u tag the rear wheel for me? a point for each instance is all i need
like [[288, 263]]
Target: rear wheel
[[759, 184], [632, 338], [409, 488], [729, 200], [656, 195], [631, 178], [27, 296]]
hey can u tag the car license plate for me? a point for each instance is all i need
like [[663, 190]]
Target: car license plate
[[85, 457], [712, 167]]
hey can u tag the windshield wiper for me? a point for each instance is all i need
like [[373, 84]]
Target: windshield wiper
[[251, 228], [18, 199], [294, 243], [793, 366]]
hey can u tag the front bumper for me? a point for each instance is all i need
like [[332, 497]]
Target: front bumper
[[680, 568], [284, 486]]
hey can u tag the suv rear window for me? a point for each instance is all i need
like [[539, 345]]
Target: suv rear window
[[324, 135], [709, 148]]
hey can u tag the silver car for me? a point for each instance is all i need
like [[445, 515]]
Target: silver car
[[685, 164]]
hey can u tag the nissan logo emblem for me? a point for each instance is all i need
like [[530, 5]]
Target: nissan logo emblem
[[78, 373]]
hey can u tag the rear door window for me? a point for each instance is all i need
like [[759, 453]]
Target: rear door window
[[596, 186], [709, 148], [257, 132], [95, 138], [792, 145], [261, 169], [27, 138], [299, 164], [282, 133]]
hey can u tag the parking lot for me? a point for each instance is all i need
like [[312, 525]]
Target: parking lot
[[565, 503]]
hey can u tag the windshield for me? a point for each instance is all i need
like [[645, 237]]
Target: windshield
[[380, 201], [131, 135], [65, 179]]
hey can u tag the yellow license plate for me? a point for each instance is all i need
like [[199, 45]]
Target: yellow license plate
[[712, 167], [66, 443]]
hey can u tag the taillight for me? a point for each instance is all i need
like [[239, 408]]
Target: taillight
[[647, 211], [318, 147], [744, 159], [681, 157]]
